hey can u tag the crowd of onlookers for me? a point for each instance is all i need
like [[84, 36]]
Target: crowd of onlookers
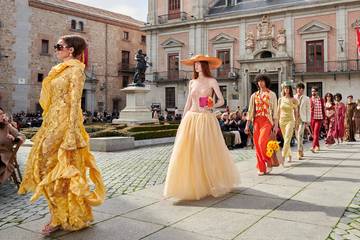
[[166, 115], [27, 120], [232, 125], [100, 117]]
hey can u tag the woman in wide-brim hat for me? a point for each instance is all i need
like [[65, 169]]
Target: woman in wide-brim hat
[[200, 164], [288, 114]]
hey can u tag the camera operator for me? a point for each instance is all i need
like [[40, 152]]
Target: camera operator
[[9, 136]]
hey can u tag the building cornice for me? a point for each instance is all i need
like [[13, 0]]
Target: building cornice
[[230, 16], [262, 60], [77, 13]]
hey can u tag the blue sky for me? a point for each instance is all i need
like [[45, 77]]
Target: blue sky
[[134, 8]]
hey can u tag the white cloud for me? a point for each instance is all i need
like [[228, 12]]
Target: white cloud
[[135, 8]]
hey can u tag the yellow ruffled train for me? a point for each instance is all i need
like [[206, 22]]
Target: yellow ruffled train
[[60, 159], [200, 164]]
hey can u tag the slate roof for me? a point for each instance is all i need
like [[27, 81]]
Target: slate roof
[[248, 6]]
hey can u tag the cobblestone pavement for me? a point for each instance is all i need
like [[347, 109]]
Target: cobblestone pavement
[[349, 225], [123, 172]]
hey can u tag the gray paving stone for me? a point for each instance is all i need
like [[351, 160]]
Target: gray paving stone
[[272, 191], [124, 204], [249, 204], [217, 223], [15, 233], [118, 228], [302, 211], [164, 212], [177, 234], [36, 226], [277, 229]]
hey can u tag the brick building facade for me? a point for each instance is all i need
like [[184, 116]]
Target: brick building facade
[[30, 29], [309, 41]]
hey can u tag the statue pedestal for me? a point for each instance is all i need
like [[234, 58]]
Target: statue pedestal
[[135, 111]]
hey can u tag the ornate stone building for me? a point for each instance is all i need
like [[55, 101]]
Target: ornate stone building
[[309, 41], [30, 28]]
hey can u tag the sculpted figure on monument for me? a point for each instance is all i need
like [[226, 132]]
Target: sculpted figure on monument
[[250, 42], [281, 37], [141, 65], [280, 42]]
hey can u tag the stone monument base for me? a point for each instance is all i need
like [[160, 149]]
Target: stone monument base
[[135, 111]]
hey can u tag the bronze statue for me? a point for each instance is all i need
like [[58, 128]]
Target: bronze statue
[[141, 65]]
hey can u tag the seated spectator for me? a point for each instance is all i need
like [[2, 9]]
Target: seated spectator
[[224, 126], [169, 117], [233, 127], [9, 136], [177, 114], [242, 124]]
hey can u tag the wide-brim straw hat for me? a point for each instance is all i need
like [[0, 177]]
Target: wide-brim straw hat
[[214, 62]]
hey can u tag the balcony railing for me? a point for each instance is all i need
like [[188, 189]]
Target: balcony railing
[[220, 74], [329, 67], [226, 73], [177, 16], [126, 67], [170, 76]]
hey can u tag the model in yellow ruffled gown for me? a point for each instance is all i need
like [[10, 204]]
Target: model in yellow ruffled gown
[[200, 164], [60, 157]]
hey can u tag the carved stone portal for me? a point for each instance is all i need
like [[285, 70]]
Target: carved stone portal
[[265, 39]]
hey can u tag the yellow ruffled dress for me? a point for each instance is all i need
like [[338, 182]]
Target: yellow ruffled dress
[[200, 164], [60, 157]]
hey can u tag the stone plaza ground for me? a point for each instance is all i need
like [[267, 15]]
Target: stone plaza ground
[[316, 198]]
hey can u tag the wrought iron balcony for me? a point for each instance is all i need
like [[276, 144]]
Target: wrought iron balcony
[[174, 17], [328, 67], [171, 76], [226, 73], [220, 74], [127, 68]]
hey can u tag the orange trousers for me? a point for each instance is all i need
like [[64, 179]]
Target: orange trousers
[[262, 130]]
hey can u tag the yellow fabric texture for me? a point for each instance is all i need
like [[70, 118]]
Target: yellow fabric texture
[[200, 163], [60, 159], [287, 122]]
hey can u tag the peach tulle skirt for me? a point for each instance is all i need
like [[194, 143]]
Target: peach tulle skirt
[[200, 164]]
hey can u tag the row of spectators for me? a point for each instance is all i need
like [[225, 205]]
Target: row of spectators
[[26, 120], [232, 125]]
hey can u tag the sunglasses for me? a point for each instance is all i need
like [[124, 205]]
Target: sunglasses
[[59, 47]]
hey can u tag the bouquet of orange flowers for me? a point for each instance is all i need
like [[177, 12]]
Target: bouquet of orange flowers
[[271, 147], [273, 151], [210, 102]]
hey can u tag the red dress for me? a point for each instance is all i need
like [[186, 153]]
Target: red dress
[[340, 110], [330, 123]]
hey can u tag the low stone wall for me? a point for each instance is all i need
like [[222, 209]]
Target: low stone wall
[[155, 141], [114, 144], [111, 144]]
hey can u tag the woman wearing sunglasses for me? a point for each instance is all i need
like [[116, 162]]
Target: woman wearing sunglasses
[[60, 157]]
